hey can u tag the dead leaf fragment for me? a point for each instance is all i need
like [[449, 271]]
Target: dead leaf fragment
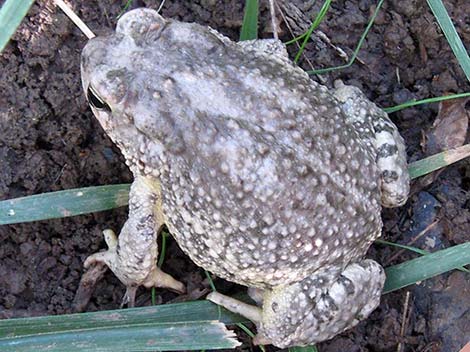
[[449, 130]]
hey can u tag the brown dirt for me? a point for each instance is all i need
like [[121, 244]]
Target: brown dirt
[[50, 141]]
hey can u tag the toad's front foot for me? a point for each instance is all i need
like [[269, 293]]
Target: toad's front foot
[[131, 275]]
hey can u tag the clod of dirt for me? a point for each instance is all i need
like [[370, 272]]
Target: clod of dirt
[[398, 44], [446, 301], [425, 232]]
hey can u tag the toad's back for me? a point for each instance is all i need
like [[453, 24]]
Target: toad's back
[[263, 182], [263, 177]]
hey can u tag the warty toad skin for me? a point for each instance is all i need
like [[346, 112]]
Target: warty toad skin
[[263, 176]]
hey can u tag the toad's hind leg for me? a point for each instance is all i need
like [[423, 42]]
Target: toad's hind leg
[[315, 309], [132, 257], [382, 138]]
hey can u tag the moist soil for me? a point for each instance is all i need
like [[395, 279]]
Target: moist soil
[[50, 141]]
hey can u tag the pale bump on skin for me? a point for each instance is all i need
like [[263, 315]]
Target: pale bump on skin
[[262, 176]]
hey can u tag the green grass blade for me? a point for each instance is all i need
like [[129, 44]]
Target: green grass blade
[[165, 337], [437, 161], [182, 326], [11, 15], [358, 46], [412, 249], [125, 8], [442, 17], [427, 266], [63, 203], [250, 334], [303, 349], [402, 246], [313, 26], [411, 103], [249, 29]]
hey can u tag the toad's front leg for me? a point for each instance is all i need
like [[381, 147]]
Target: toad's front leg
[[132, 257]]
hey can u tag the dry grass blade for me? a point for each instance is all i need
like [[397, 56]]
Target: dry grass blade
[[437, 161], [75, 19]]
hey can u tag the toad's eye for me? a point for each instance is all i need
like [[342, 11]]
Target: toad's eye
[[95, 101]]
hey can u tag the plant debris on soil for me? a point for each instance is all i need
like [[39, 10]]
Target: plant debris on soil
[[49, 141]]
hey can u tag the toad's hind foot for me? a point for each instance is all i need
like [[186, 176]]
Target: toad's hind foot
[[130, 275], [314, 309], [322, 305]]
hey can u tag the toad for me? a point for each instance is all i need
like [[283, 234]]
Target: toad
[[263, 176]]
